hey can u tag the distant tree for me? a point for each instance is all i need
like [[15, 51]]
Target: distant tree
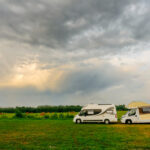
[[49, 108], [45, 108], [121, 108]]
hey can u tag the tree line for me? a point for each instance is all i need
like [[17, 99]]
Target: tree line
[[47, 108]]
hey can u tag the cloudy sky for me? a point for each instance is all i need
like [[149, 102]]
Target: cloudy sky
[[60, 52]]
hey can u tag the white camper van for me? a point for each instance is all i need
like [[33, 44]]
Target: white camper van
[[139, 113], [97, 113]]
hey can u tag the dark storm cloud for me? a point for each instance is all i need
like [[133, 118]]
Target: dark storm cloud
[[88, 80], [63, 24]]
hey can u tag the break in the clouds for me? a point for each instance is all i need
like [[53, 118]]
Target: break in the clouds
[[74, 51]]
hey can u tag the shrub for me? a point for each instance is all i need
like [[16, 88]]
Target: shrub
[[46, 116], [69, 115], [19, 114], [61, 116], [30, 116], [54, 116]]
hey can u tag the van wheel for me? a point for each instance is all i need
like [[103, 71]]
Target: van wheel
[[128, 122], [107, 121], [78, 121]]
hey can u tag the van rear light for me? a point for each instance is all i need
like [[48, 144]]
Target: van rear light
[[116, 115]]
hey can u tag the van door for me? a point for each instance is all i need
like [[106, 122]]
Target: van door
[[88, 116], [98, 116]]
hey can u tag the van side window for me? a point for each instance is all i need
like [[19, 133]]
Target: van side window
[[146, 110], [90, 112], [110, 111], [97, 111]]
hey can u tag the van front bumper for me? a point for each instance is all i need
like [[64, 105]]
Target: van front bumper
[[74, 120]]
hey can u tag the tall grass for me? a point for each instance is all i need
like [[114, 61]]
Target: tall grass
[[49, 115], [43, 115]]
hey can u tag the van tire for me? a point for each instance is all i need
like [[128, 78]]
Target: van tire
[[107, 121], [128, 122], [78, 121]]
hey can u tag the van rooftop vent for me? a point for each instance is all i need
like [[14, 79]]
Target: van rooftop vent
[[104, 104]]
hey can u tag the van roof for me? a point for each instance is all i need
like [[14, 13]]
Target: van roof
[[98, 106], [134, 104]]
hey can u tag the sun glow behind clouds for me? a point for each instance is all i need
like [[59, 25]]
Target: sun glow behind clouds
[[30, 75]]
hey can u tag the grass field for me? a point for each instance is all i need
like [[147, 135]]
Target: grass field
[[46, 134]]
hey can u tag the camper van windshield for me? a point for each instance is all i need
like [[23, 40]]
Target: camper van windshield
[[82, 113], [132, 112]]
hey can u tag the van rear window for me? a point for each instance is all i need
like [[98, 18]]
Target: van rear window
[[97, 111], [144, 110]]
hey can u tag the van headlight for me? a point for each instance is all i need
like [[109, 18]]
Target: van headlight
[[122, 116]]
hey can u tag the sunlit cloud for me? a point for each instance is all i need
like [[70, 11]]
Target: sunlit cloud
[[34, 75]]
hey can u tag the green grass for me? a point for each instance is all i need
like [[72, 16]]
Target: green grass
[[120, 114], [47, 134], [25, 134]]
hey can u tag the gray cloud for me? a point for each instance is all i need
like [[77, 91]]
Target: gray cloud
[[92, 79], [56, 24]]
